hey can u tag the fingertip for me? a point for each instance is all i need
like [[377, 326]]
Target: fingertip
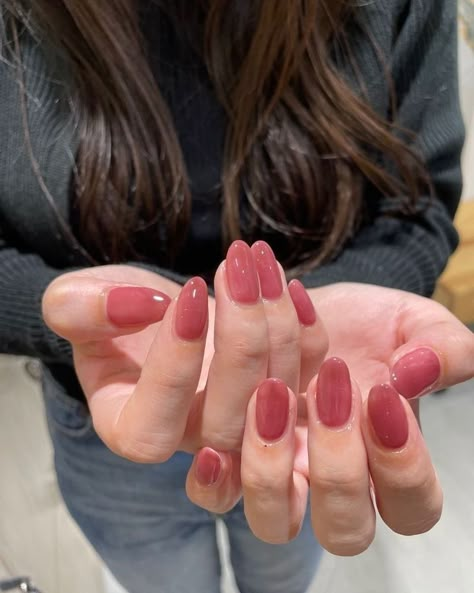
[[208, 467], [303, 304], [128, 306], [388, 417], [416, 372]]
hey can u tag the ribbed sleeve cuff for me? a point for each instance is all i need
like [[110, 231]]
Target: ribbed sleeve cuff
[[23, 281]]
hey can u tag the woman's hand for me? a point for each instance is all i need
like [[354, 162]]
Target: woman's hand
[[388, 335], [350, 456], [154, 389], [124, 357]]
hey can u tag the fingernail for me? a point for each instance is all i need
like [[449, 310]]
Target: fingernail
[[413, 374], [388, 416], [208, 467], [334, 393], [302, 303], [272, 411], [135, 305], [192, 310], [242, 274], [268, 271]]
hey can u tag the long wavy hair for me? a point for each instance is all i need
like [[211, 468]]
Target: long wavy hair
[[300, 142]]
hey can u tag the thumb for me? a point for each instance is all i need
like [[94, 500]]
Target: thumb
[[437, 352], [83, 308]]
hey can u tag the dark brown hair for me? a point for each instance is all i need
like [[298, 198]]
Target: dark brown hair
[[300, 142]]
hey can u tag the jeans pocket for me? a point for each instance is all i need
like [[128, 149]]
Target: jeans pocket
[[65, 413]]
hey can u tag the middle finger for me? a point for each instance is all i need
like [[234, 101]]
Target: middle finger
[[240, 360]]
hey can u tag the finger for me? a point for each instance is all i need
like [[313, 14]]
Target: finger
[[275, 496], [282, 321], [241, 350], [213, 480], [85, 309], [408, 493], [314, 341], [145, 422], [437, 351], [342, 512]]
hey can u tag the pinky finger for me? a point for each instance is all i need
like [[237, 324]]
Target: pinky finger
[[213, 480]]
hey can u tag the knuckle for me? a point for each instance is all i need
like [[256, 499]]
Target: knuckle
[[262, 486], [176, 380], [411, 485], [347, 543], [246, 353], [339, 485], [140, 452], [286, 337], [422, 521], [126, 444]]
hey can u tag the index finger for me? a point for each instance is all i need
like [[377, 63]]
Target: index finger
[[145, 422]]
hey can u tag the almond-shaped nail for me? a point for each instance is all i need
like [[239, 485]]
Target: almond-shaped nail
[[192, 310], [268, 271], [334, 393], [135, 305], [242, 274], [272, 409], [416, 372], [387, 416], [208, 467], [303, 304]]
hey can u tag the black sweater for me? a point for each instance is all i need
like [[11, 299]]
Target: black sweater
[[419, 41]]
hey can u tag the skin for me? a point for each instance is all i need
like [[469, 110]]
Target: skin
[[147, 393]]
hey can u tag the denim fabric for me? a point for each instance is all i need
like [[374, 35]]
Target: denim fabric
[[153, 539]]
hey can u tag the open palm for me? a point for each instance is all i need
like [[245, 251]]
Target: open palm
[[372, 328]]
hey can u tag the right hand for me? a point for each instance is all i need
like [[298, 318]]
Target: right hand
[[155, 387]]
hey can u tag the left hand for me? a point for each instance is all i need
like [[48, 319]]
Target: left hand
[[385, 335]]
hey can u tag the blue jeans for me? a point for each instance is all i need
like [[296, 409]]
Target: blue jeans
[[152, 538]]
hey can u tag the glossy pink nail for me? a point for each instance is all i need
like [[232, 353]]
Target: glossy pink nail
[[192, 310], [272, 409], [268, 271], [208, 467], [135, 305], [388, 416], [334, 393], [302, 303], [242, 274], [416, 372]]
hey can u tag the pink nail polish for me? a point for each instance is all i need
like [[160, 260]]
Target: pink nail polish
[[303, 304], [272, 409], [192, 310], [388, 416], [208, 467], [416, 372], [135, 305], [268, 271], [242, 274], [334, 393]]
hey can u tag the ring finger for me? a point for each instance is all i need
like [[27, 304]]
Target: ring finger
[[408, 493]]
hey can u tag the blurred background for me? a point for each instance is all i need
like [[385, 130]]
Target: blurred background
[[37, 537]]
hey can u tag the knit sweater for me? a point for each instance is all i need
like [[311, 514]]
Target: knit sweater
[[419, 41]]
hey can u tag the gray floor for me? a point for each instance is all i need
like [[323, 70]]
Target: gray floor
[[38, 538]]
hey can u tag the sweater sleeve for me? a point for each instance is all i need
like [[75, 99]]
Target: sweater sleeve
[[24, 278], [410, 254]]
